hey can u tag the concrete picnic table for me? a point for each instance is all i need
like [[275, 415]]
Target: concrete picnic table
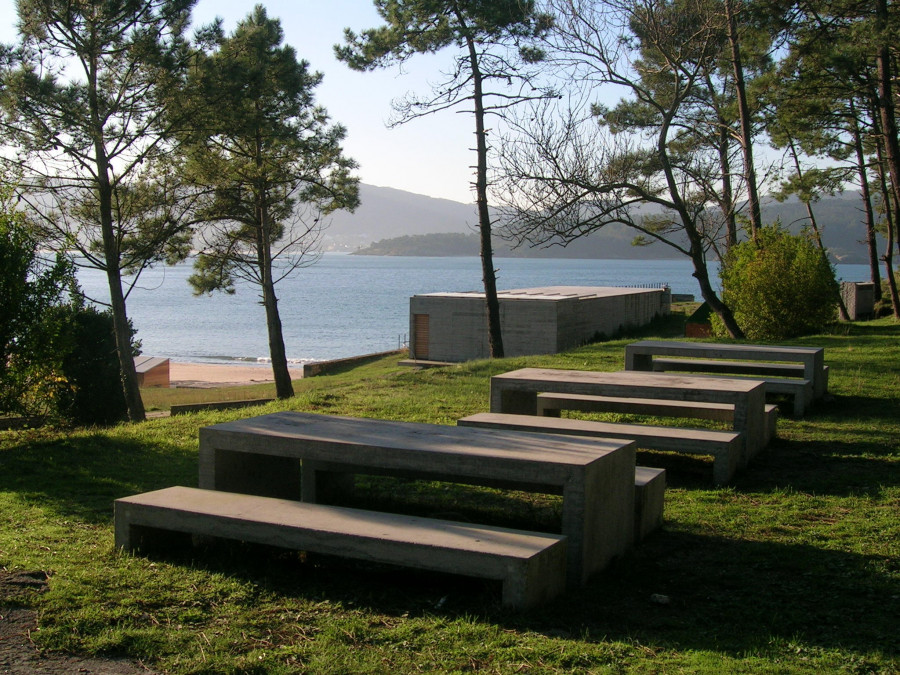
[[516, 392], [810, 360], [263, 456]]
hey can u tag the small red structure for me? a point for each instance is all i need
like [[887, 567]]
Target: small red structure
[[697, 324], [152, 372]]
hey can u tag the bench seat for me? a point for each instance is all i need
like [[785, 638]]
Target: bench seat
[[531, 565], [799, 389], [726, 447], [730, 367], [551, 403]]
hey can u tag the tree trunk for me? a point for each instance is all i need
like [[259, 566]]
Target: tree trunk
[[890, 229], [489, 276], [112, 260], [871, 242], [727, 190], [121, 327], [130, 386], [889, 137], [707, 292], [697, 255], [284, 388], [746, 135], [277, 353], [889, 271]]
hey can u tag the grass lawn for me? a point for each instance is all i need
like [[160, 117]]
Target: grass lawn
[[794, 568]]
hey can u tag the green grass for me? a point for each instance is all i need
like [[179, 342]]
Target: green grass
[[795, 568]]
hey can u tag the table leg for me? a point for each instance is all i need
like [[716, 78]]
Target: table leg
[[513, 401], [249, 473], [598, 514], [635, 361], [749, 412], [322, 483]]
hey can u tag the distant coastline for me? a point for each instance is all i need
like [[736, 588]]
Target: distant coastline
[[614, 243], [463, 245], [840, 220]]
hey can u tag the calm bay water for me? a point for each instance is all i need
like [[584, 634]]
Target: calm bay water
[[347, 305]]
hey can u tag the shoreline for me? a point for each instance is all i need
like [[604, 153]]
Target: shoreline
[[187, 374], [206, 375]]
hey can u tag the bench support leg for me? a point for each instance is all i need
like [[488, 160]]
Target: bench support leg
[[249, 473], [535, 581], [322, 486], [511, 401]]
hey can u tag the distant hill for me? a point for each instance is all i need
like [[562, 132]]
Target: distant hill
[[613, 243], [385, 213], [394, 222]]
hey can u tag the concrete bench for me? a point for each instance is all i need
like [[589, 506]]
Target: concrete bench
[[531, 566], [801, 391], [730, 367], [551, 403], [726, 447]]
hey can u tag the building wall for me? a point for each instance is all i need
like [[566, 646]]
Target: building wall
[[528, 327], [457, 323], [457, 327]]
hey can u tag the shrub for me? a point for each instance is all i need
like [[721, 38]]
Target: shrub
[[58, 357], [779, 286], [90, 366], [30, 286]]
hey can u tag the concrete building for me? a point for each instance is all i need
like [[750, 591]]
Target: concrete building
[[859, 299], [452, 327]]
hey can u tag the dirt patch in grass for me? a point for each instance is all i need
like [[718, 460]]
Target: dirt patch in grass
[[20, 656]]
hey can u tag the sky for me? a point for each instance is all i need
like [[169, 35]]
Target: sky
[[430, 156]]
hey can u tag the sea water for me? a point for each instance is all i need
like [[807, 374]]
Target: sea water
[[346, 305]]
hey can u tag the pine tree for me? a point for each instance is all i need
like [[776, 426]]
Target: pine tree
[[267, 166]]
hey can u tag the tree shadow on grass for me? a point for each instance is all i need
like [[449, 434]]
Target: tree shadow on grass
[[841, 407], [820, 468], [82, 475], [739, 596], [725, 596]]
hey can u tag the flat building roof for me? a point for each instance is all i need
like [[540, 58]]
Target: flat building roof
[[549, 293]]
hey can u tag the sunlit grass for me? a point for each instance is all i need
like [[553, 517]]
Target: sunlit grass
[[795, 568]]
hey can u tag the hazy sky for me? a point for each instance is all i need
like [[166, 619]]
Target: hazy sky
[[429, 156]]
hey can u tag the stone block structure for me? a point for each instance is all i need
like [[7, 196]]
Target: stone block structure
[[452, 327]]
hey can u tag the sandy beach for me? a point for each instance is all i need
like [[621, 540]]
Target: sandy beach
[[182, 374]]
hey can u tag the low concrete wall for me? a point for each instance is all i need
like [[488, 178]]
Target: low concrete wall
[[186, 408], [326, 367]]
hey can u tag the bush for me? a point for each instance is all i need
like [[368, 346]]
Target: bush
[[779, 286], [90, 367], [58, 357], [30, 287]]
